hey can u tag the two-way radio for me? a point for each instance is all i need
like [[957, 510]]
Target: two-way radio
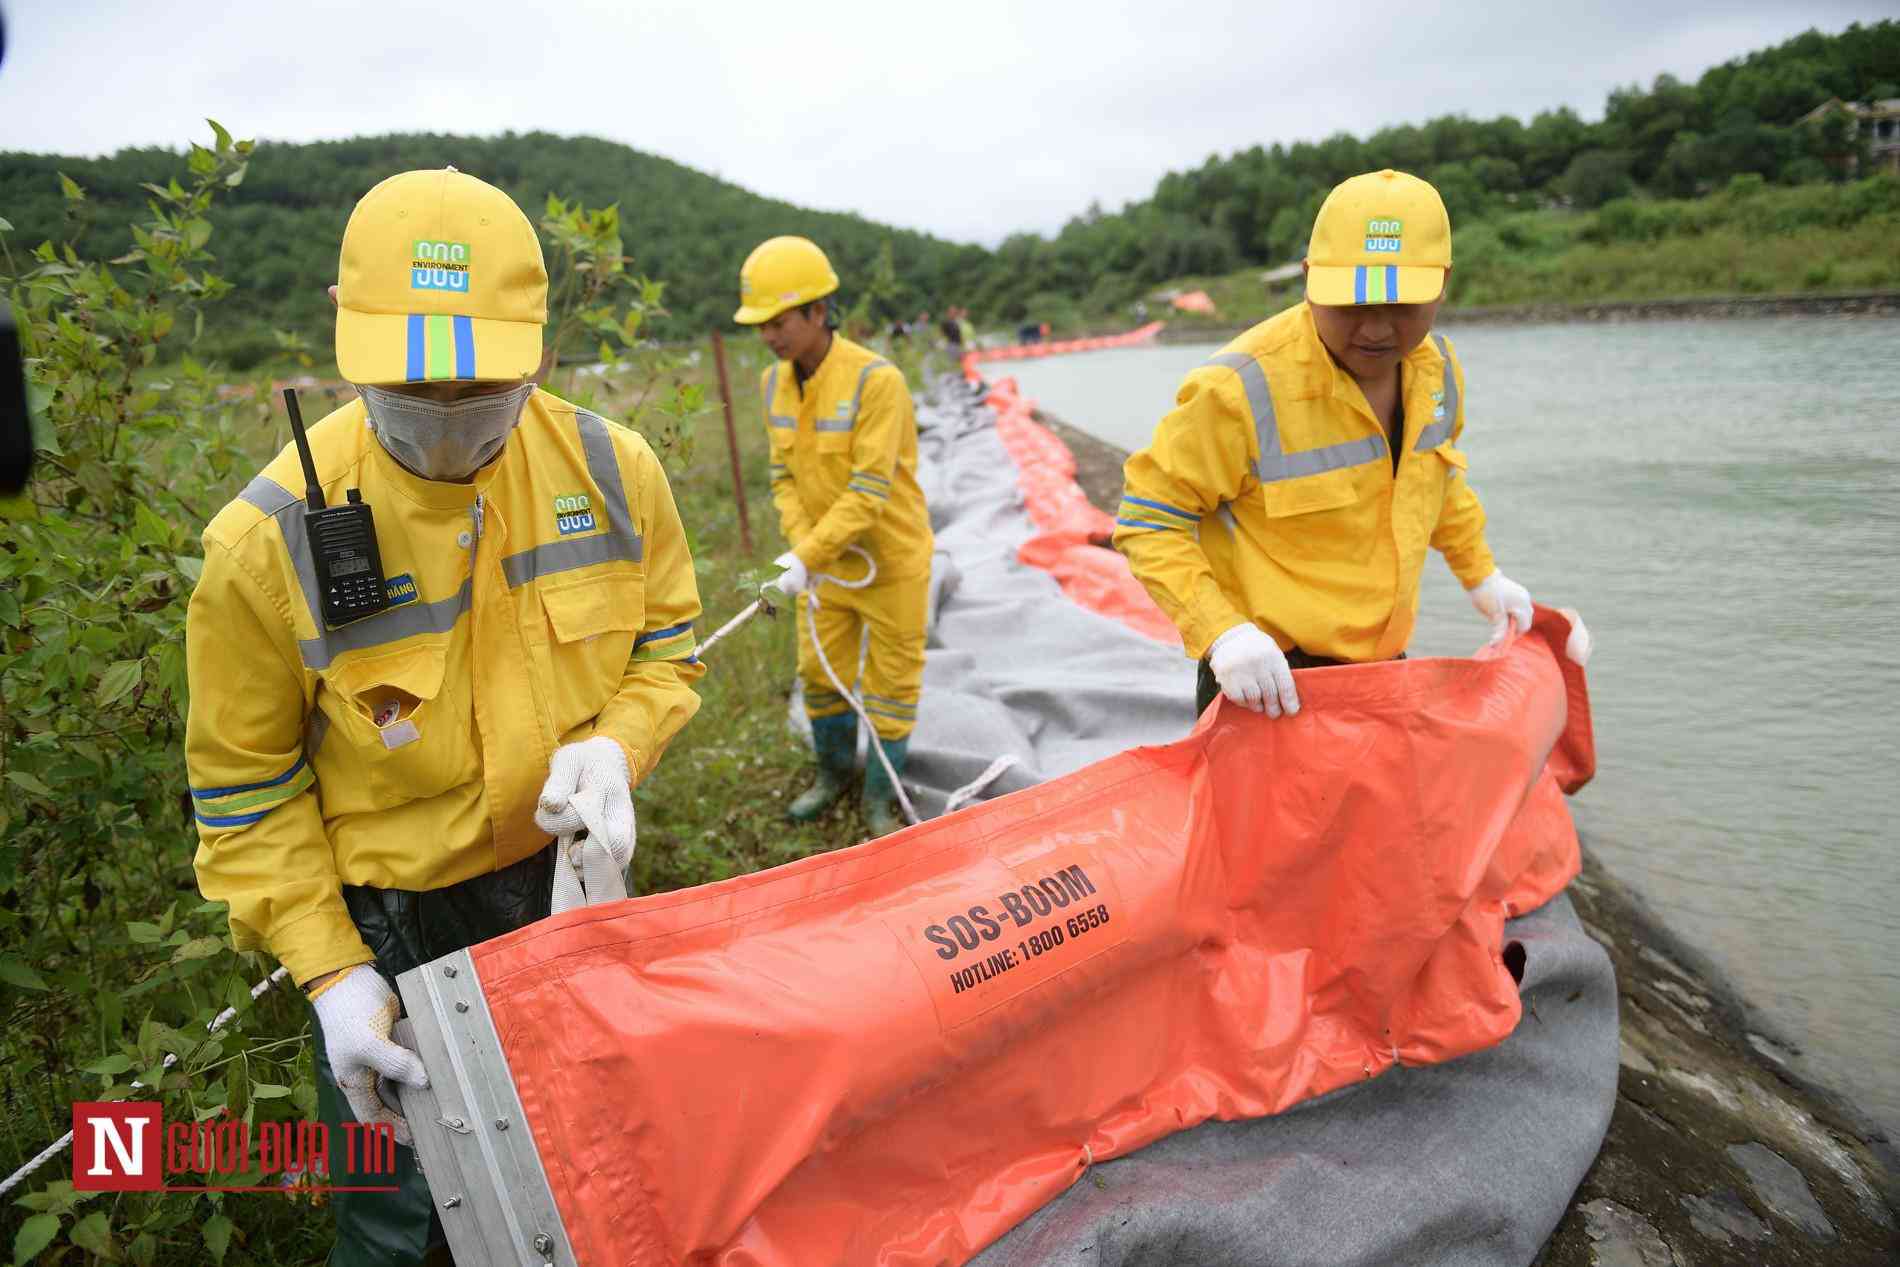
[[342, 541]]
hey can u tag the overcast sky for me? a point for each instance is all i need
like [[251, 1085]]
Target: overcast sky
[[970, 120]]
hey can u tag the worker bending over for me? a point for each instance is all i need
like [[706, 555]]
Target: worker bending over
[[844, 473], [374, 793], [1281, 513]]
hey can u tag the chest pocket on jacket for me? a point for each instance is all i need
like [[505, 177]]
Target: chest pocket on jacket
[[1454, 459], [592, 623], [406, 726], [832, 437], [1309, 494]]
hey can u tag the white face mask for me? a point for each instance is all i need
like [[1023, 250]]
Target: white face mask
[[444, 441]]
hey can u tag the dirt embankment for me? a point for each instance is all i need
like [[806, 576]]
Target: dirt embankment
[[1718, 1152]]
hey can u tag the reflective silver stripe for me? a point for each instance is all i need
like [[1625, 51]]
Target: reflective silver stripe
[[1332, 457], [1439, 432], [620, 543], [857, 397], [392, 624], [268, 495], [565, 556], [771, 394], [274, 499], [1273, 466], [385, 626], [1225, 513], [857, 402], [1451, 380], [1266, 429]]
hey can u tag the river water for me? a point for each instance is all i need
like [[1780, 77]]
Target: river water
[[1721, 502]]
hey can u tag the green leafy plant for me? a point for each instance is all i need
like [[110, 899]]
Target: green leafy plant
[[139, 442], [594, 292]]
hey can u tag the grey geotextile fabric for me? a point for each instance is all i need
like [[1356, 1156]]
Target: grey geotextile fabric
[[1471, 1162], [1012, 667], [1468, 1162]]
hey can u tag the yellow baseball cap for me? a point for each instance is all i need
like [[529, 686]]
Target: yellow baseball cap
[[441, 277], [1380, 238]]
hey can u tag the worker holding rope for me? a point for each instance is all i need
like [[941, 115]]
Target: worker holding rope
[[1281, 513], [375, 788], [844, 478]]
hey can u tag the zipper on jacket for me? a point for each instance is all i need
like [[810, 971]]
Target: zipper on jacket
[[475, 540]]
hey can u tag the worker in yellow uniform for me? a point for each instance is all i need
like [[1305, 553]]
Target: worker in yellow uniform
[[377, 790], [844, 474], [1281, 513]]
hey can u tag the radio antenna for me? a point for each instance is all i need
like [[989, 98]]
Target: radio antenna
[[313, 492]]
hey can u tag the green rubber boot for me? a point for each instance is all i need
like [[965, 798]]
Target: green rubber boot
[[880, 799], [834, 741]]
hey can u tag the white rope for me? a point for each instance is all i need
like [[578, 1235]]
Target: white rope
[[857, 705], [957, 799], [971, 790], [58, 1146], [751, 611], [52, 1150]]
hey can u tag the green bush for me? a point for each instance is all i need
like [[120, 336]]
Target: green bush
[[114, 968], [117, 967]]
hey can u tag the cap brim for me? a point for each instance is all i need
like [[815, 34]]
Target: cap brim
[[396, 347], [1351, 285], [750, 316]]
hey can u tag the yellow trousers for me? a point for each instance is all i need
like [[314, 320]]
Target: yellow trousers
[[892, 613]]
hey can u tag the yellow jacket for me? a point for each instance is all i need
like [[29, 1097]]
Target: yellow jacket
[[1267, 495], [844, 462], [549, 600]]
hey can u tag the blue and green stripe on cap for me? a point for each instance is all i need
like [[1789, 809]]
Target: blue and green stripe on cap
[[1375, 284], [440, 346]]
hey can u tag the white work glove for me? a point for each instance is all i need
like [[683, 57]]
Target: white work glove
[[1252, 670], [356, 1011], [1503, 602], [588, 792], [794, 580]]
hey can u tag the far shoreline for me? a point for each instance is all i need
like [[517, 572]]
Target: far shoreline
[[1877, 303]]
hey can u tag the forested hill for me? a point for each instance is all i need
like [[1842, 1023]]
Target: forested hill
[[1741, 125], [1673, 139], [276, 235]]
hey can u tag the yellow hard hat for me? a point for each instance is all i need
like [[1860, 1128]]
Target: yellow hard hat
[[782, 273]]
